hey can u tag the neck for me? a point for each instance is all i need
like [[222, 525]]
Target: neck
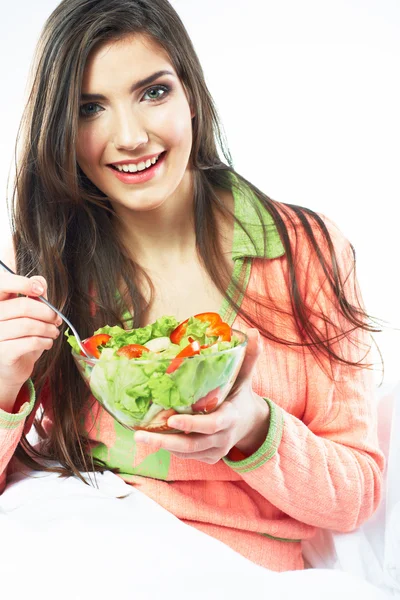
[[161, 236]]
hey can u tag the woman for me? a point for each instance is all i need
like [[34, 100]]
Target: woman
[[117, 83]]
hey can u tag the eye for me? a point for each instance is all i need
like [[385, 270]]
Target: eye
[[90, 109], [156, 92]]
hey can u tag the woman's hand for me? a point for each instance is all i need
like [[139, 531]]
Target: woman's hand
[[27, 328], [241, 421]]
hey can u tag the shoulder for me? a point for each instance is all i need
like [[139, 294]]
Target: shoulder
[[312, 235], [287, 229], [317, 256]]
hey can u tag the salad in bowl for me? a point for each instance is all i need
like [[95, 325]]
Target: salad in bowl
[[144, 376]]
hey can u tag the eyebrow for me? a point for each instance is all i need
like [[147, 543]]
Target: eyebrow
[[135, 86]]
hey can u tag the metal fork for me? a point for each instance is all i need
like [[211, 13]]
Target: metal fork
[[60, 314]]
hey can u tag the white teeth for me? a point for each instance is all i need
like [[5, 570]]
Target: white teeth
[[132, 168]]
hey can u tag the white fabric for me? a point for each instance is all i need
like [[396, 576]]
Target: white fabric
[[392, 513], [63, 539], [373, 551]]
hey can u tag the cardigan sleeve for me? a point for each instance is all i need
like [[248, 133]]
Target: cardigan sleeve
[[12, 426], [324, 469]]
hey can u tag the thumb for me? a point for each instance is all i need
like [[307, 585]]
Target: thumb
[[253, 351]]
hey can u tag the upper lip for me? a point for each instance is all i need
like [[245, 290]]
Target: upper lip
[[136, 161]]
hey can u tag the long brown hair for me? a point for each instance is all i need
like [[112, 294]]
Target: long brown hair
[[64, 229]]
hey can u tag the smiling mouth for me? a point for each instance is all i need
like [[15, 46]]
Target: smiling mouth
[[137, 167]]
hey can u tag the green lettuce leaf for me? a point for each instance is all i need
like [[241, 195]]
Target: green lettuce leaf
[[110, 330], [71, 339], [132, 336], [164, 391], [137, 407], [121, 384], [196, 329], [201, 374], [163, 327]]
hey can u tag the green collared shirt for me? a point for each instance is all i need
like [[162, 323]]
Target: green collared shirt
[[249, 243], [252, 245]]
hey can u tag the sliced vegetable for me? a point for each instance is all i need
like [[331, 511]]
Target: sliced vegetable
[[211, 318], [223, 331], [179, 332], [159, 344], [132, 351], [188, 327], [208, 403], [93, 344], [190, 350]]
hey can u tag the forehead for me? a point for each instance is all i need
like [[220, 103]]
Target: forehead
[[130, 58]]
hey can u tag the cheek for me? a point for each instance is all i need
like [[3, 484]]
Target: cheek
[[89, 146], [175, 128]]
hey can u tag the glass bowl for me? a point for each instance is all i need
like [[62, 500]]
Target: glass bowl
[[139, 394]]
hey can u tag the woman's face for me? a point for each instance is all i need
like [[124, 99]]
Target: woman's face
[[135, 124]]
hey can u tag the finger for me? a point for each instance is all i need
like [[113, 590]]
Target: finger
[[178, 442], [41, 282], [13, 350], [15, 284], [23, 306], [206, 424], [253, 351], [25, 327]]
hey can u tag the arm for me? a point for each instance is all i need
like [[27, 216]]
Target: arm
[[27, 328], [12, 426], [326, 469]]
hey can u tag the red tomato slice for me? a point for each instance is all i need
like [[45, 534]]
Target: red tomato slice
[[222, 330], [93, 344], [132, 351], [212, 318], [178, 332], [208, 403], [190, 350]]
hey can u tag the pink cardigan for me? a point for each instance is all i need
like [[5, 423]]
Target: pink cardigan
[[320, 465]]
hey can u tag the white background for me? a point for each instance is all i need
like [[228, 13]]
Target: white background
[[309, 94]]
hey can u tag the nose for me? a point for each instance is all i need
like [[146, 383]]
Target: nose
[[129, 132]]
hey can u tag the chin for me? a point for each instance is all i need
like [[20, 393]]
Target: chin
[[148, 207], [136, 205]]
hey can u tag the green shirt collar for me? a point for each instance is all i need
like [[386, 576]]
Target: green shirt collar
[[252, 245]]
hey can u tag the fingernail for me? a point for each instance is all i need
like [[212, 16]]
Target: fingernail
[[175, 423], [142, 437], [37, 288], [59, 321]]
